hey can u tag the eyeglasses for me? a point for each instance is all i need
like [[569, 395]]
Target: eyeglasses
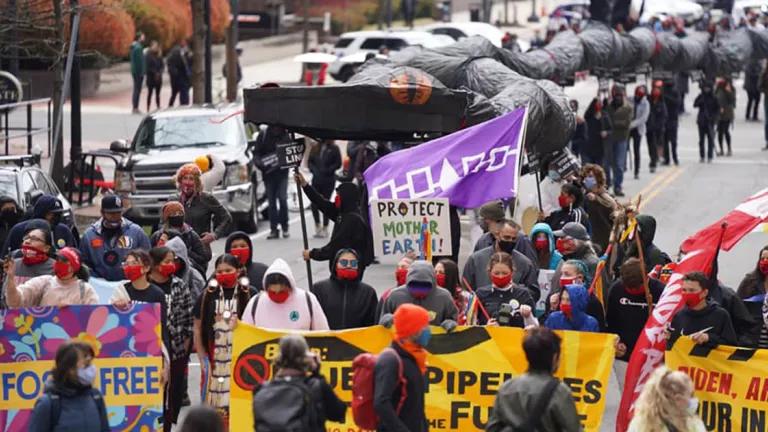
[[33, 238], [351, 263]]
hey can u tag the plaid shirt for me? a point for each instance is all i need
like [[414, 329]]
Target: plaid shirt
[[179, 303]]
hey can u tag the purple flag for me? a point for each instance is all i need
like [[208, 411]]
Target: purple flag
[[469, 167]]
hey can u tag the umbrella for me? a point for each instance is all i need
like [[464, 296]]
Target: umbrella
[[359, 57], [314, 57]]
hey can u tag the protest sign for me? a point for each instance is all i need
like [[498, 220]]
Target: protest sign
[[128, 360], [290, 154], [545, 287], [730, 383], [466, 369], [398, 226]]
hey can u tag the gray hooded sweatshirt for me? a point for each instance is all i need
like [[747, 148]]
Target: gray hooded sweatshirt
[[191, 277], [438, 302]]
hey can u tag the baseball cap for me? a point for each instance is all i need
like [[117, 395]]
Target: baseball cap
[[574, 230], [493, 210], [111, 204]]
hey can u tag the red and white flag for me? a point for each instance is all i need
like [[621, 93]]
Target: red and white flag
[[700, 251]]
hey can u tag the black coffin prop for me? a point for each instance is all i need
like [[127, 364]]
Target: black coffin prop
[[382, 103]]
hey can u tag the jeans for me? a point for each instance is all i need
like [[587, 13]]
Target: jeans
[[753, 102], [325, 189], [138, 80], [618, 162], [654, 139], [724, 130], [277, 193], [706, 132], [636, 141]]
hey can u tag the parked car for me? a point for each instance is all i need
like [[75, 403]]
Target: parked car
[[463, 30], [687, 10], [572, 11], [372, 41], [23, 180], [170, 138]]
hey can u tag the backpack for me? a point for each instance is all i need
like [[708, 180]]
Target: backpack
[[363, 382], [98, 399], [285, 404]]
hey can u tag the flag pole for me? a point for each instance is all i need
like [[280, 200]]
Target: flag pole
[[304, 236], [479, 303]]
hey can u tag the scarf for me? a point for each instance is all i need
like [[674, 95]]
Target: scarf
[[417, 351]]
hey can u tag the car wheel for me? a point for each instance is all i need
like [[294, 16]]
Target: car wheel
[[249, 222]]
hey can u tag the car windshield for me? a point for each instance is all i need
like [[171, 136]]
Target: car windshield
[[8, 185], [188, 131]]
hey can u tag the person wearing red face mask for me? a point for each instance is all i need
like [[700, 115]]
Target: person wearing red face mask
[[36, 251], [202, 211], [173, 225], [447, 276], [655, 128], [599, 127], [544, 243], [503, 291], [401, 271], [216, 313], [703, 321], [752, 290], [282, 305], [239, 244], [571, 200], [345, 299], [67, 286], [138, 289], [178, 310]]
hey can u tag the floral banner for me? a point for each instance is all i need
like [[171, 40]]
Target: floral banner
[[127, 344]]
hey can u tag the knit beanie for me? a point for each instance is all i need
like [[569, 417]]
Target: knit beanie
[[190, 169], [409, 320], [172, 207]]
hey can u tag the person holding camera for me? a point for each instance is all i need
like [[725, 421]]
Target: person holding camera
[[506, 303], [298, 397]]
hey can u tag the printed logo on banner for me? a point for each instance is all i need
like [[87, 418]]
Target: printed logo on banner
[[398, 226], [466, 370], [128, 360]]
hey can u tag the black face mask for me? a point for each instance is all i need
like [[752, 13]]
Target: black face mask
[[507, 246], [176, 221], [55, 220], [9, 216]]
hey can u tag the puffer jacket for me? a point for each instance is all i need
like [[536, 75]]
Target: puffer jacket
[[554, 256], [347, 304], [579, 320]]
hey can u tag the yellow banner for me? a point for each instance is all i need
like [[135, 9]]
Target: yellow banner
[[731, 384], [123, 382], [466, 369]]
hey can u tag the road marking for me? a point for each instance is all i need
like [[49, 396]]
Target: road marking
[[656, 180], [663, 185]]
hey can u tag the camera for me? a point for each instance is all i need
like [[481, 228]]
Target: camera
[[507, 311]]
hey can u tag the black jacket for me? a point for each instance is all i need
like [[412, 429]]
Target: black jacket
[[387, 394], [594, 145], [627, 313], [350, 230], [154, 68], [199, 255], [7, 221], [205, 214], [323, 163], [744, 324], [347, 304], [672, 100], [579, 138], [708, 108], [265, 153], [653, 256], [255, 270], [657, 118], [492, 299], [689, 321]]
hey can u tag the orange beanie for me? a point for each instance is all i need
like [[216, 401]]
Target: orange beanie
[[409, 320]]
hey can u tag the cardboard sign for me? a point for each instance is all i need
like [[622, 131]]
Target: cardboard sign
[[545, 287], [398, 226], [290, 154]]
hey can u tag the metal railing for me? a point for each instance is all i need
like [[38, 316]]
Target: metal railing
[[27, 131], [82, 176]]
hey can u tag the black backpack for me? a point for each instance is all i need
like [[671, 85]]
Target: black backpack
[[286, 404], [98, 399]]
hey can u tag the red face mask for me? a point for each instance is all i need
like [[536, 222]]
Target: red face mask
[[501, 281], [562, 245], [227, 280], [167, 269], [763, 266], [565, 281], [562, 200], [278, 297], [132, 272], [31, 255], [345, 273], [541, 244], [242, 254], [400, 275], [440, 279], [337, 201], [691, 299], [61, 269], [188, 187], [567, 310]]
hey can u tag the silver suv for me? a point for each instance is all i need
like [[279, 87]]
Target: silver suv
[[168, 139]]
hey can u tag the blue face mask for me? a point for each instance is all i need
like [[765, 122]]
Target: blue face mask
[[87, 374], [590, 182], [424, 337]]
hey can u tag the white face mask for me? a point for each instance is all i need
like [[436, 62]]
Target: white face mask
[[693, 404]]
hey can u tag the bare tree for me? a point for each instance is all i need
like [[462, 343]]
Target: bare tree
[[198, 51]]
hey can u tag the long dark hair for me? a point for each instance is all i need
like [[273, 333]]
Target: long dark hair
[[452, 281], [67, 357], [243, 294], [752, 283]]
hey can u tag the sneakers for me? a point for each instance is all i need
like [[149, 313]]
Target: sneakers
[[275, 234], [286, 234], [618, 193], [730, 153], [318, 231]]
